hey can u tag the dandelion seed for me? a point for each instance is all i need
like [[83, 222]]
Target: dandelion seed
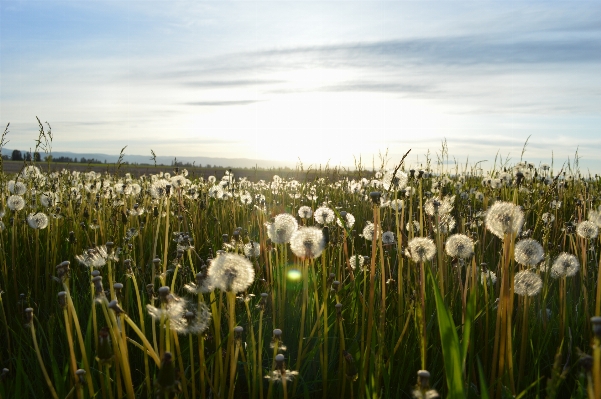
[[388, 238], [38, 220], [547, 218], [346, 220], [252, 249], [566, 265], [421, 249], [368, 232], [305, 212], [307, 242], [529, 252], [527, 283], [356, 261], [231, 272], [459, 246], [587, 229], [15, 203], [282, 228], [488, 276], [504, 218], [324, 215]]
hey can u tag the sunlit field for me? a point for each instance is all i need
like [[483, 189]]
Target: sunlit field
[[399, 281]]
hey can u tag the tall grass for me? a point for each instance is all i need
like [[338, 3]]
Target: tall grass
[[125, 312]]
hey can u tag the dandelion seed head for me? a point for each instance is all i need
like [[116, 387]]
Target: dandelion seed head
[[369, 230], [504, 218], [587, 229], [527, 283], [421, 249], [15, 203], [528, 252], [459, 246], [37, 220], [566, 265], [388, 238], [282, 228], [347, 221], [324, 215], [252, 249], [231, 272], [305, 212], [307, 242]]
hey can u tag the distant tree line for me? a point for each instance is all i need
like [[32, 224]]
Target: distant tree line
[[17, 155]]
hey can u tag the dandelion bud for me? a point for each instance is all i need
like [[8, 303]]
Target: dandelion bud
[[118, 287], [109, 245], [423, 379], [586, 362], [331, 278], [62, 270], [98, 288], [114, 305], [375, 197], [412, 173], [279, 362], [72, 237], [4, 374], [277, 333], [62, 299], [326, 234], [596, 321], [156, 261], [155, 212], [164, 292], [519, 177], [225, 237], [238, 332], [80, 373], [335, 285], [338, 307], [105, 349], [168, 189], [166, 378], [29, 315]]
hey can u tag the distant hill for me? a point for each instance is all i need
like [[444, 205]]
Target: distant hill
[[168, 160]]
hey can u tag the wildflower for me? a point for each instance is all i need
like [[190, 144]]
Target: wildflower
[[459, 246], [252, 249], [96, 257], [282, 228], [397, 205], [587, 229], [17, 188], [440, 206], [245, 198], [388, 238], [394, 181], [202, 285], [356, 261], [595, 217], [446, 224], [368, 232], [504, 218], [527, 283], [566, 265], [305, 212], [281, 373], [528, 252], [37, 220], [231, 272], [15, 203], [346, 220], [421, 249], [416, 227], [324, 215], [488, 276], [307, 242], [547, 218]]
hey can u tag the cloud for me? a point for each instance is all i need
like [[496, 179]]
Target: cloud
[[221, 103]]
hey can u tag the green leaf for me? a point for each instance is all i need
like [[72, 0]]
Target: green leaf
[[451, 350]]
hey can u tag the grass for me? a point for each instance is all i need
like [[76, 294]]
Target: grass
[[76, 293]]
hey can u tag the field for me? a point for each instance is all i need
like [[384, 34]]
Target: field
[[327, 283]]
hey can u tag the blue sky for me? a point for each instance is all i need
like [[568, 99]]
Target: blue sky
[[317, 81]]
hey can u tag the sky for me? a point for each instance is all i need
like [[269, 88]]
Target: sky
[[317, 81]]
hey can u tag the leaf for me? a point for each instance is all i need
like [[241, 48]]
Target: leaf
[[451, 350]]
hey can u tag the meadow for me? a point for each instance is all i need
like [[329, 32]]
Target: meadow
[[395, 281]]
